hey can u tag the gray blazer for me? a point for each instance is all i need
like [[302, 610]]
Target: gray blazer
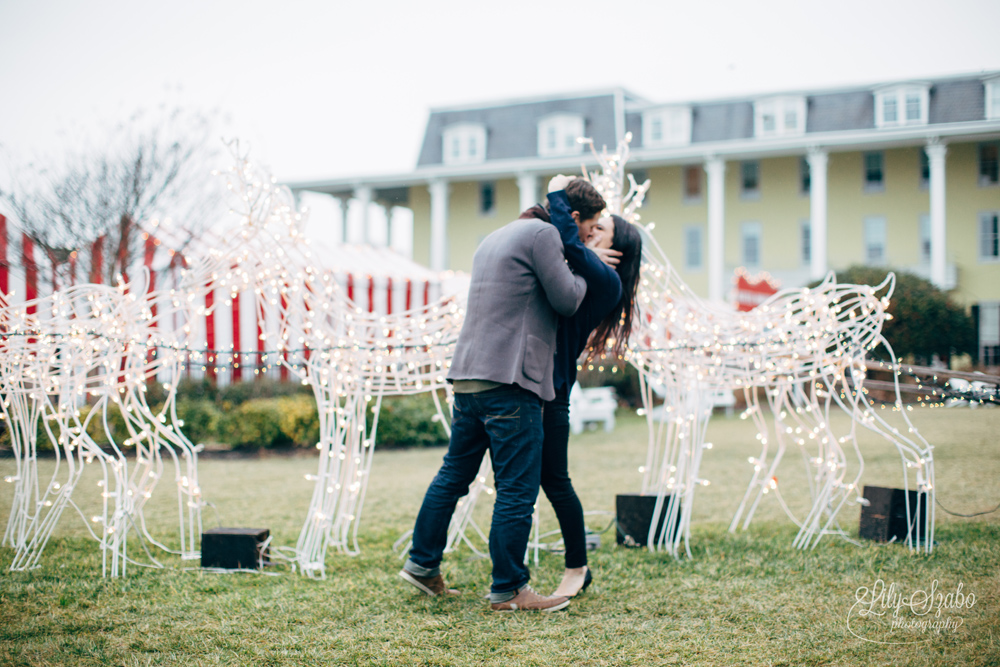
[[520, 282]]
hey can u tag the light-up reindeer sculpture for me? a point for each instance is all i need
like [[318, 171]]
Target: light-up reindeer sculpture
[[85, 342], [803, 347], [350, 358]]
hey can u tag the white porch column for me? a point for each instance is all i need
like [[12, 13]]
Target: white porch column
[[345, 207], [387, 211], [439, 223], [363, 194], [817, 213], [527, 187], [935, 157], [716, 170], [388, 208]]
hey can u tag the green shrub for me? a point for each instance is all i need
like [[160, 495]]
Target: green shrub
[[925, 321], [266, 413], [254, 424], [200, 417], [197, 389], [299, 419], [43, 444], [408, 421], [95, 429], [116, 425], [241, 392]]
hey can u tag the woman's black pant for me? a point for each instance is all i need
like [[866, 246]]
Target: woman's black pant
[[556, 483]]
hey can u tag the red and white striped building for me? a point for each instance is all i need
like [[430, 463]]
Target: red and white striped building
[[376, 278]]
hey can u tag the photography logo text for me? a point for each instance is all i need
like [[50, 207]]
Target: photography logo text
[[891, 614]]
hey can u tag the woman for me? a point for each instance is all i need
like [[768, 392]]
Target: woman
[[607, 311]]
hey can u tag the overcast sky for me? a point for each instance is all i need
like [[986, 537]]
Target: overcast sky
[[322, 89]]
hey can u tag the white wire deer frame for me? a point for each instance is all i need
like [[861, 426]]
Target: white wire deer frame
[[91, 341], [805, 348], [351, 359]]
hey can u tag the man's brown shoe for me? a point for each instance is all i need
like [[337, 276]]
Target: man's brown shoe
[[528, 600], [428, 585]]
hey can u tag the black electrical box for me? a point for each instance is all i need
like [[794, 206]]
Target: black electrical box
[[234, 548], [884, 518], [634, 513]]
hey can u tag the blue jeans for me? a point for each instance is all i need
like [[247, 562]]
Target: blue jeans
[[507, 421]]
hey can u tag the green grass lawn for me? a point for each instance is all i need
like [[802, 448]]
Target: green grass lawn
[[744, 599]]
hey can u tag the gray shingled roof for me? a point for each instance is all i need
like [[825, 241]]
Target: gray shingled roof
[[957, 101], [722, 121], [512, 130], [836, 112]]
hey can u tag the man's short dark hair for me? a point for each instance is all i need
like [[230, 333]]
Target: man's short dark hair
[[585, 198]]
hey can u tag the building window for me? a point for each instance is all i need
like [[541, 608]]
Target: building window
[[989, 236], [874, 173], [692, 247], [750, 233], [666, 126], [750, 179], [779, 116], [925, 238], [993, 99], [656, 130], [805, 176], [487, 199], [791, 119], [901, 105], [558, 134], [890, 115], [913, 110], [693, 176], [987, 315], [805, 246], [875, 252], [925, 170], [464, 143], [988, 171]]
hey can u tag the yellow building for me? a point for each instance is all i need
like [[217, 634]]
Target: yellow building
[[902, 174]]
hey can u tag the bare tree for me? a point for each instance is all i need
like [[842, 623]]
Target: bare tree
[[151, 167]]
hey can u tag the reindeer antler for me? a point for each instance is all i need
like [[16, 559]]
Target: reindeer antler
[[610, 180]]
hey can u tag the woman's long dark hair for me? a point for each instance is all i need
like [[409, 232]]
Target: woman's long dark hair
[[616, 327]]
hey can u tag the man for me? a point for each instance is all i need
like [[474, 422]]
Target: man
[[502, 371]]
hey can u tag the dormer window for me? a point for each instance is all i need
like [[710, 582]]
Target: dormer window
[[464, 143], [780, 116], [666, 126], [901, 105], [993, 98], [558, 134]]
